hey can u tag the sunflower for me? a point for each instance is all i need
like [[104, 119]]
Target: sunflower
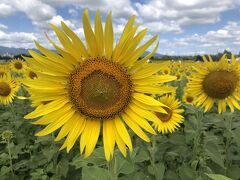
[[171, 121], [179, 75], [94, 86], [3, 72], [8, 89], [188, 98], [30, 74], [216, 82], [166, 70], [18, 66]]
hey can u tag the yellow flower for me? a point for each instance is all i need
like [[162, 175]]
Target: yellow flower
[[94, 86], [171, 121], [18, 66], [166, 70], [216, 82], [8, 89], [30, 74], [188, 98]]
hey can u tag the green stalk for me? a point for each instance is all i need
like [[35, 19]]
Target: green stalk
[[112, 169], [228, 132], [152, 155], [199, 118], [198, 142], [10, 157]]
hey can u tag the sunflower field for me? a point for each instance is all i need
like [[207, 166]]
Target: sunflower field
[[97, 109]]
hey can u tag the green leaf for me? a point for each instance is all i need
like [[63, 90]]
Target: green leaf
[[124, 166], [62, 167], [214, 154], [95, 173], [159, 170], [218, 177], [141, 156], [4, 170], [236, 133], [186, 172]]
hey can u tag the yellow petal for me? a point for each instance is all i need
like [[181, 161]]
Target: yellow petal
[[108, 36], [93, 137], [144, 113], [123, 133], [89, 35], [146, 99], [133, 57], [136, 66], [140, 121], [77, 43], [120, 144], [109, 127], [99, 33], [135, 127], [56, 124], [65, 41], [148, 70], [50, 107]]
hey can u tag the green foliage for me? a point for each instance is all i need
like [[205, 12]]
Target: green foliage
[[207, 146]]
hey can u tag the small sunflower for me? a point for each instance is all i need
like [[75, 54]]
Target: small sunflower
[[166, 70], [29, 73], [94, 86], [171, 121], [179, 75], [216, 82], [3, 72], [18, 66], [8, 89], [188, 98]]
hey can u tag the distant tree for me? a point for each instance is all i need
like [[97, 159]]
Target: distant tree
[[228, 53]]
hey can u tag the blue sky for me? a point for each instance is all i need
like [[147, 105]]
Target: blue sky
[[183, 27]]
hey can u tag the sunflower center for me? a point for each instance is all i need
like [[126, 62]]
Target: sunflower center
[[99, 88], [178, 76], [32, 75], [166, 71], [189, 99], [165, 117], [18, 65], [4, 89], [220, 84]]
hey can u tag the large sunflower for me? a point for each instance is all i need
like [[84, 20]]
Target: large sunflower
[[98, 85], [171, 121], [216, 82], [8, 89]]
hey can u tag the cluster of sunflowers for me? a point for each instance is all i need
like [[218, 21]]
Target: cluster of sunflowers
[[98, 88], [11, 75]]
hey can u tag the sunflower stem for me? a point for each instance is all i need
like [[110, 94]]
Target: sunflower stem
[[10, 157], [198, 142], [228, 132], [152, 155], [12, 111], [112, 169]]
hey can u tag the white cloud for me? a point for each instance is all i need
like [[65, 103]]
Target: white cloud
[[2, 26], [182, 12], [73, 12], [5, 9], [37, 11], [227, 37], [159, 27], [17, 39], [56, 20], [120, 8]]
